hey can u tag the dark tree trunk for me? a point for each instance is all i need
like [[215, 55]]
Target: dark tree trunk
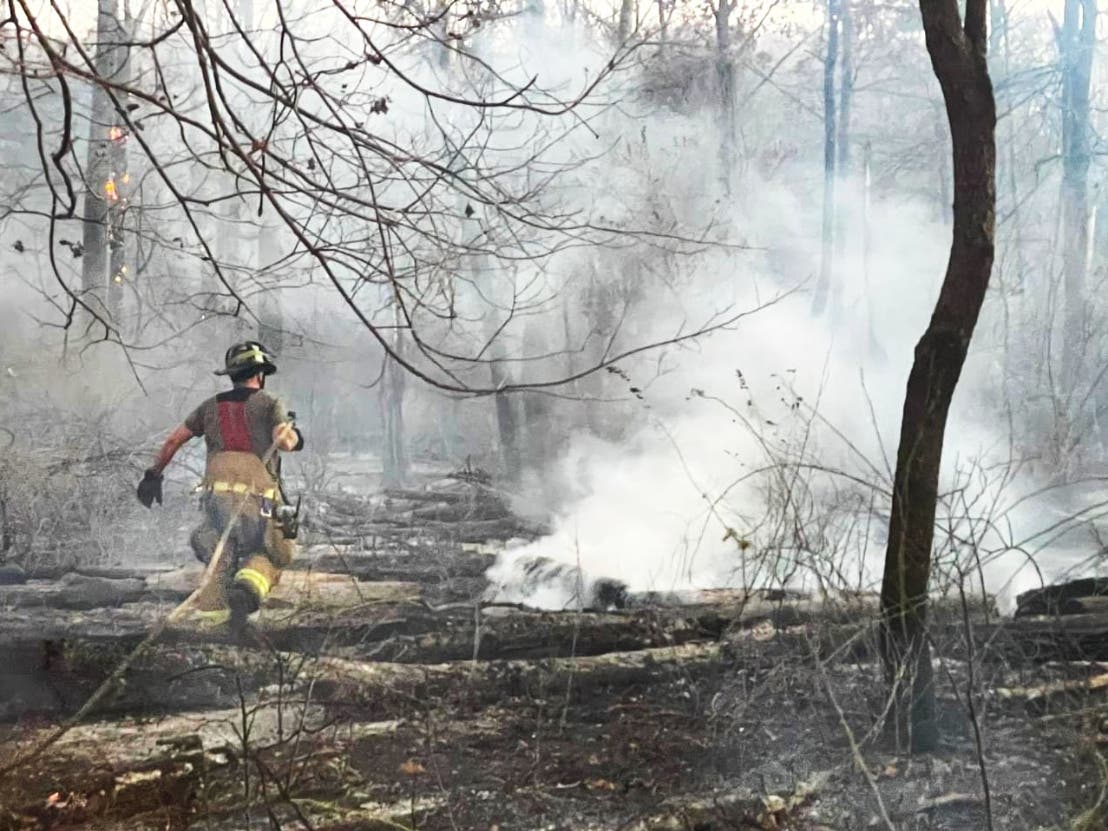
[[506, 404], [537, 427], [100, 186], [507, 423], [827, 252], [118, 270], [957, 53], [1078, 43]]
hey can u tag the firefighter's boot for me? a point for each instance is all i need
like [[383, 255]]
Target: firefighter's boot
[[242, 603], [249, 590]]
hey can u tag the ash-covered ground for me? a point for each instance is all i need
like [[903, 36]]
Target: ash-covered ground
[[389, 684]]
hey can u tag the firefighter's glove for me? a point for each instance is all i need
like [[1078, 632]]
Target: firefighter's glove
[[150, 488]]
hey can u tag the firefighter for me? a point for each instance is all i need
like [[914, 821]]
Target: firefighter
[[243, 428]]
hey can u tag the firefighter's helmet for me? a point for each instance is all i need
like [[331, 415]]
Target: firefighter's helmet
[[244, 357]]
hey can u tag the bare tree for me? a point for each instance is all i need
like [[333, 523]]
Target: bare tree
[[725, 79], [827, 252], [394, 455], [844, 186], [626, 19], [253, 106], [1077, 42], [957, 48], [105, 163]]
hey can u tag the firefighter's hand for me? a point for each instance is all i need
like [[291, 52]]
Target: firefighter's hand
[[150, 488], [286, 437]]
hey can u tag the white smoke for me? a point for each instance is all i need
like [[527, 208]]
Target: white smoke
[[768, 450]]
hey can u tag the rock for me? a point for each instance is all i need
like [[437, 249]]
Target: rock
[[12, 574]]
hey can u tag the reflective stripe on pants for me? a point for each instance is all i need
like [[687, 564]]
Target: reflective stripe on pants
[[259, 575]]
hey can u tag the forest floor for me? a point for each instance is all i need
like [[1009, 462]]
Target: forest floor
[[380, 692]]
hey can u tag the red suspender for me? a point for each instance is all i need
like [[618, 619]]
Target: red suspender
[[232, 426]]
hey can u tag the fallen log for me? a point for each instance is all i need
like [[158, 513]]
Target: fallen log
[[1081, 637], [1061, 598], [385, 687], [55, 674], [74, 591], [301, 588], [498, 634], [450, 497], [430, 530], [377, 565], [1058, 695], [458, 512], [57, 572]]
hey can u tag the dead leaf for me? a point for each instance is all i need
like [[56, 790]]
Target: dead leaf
[[601, 785], [412, 768]]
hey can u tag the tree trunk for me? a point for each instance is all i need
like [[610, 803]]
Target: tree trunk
[[663, 28], [843, 213], [626, 19], [271, 320], [118, 270], [394, 472], [876, 352], [823, 286], [246, 14], [1000, 42], [507, 422], [725, 79], [100, 185], [957, 53], [538, 426], [943, 207], [1078, 42]]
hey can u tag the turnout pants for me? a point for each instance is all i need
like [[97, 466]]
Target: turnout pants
[[237, 490]]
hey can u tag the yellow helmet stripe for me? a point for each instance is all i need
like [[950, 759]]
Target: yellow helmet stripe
[[254, 356]]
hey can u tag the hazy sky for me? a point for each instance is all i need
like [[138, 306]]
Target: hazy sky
[[82, 13]]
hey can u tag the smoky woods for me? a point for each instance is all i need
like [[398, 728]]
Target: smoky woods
[[561, 415]]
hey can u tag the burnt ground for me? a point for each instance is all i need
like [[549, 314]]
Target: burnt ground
[[386, 696]]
